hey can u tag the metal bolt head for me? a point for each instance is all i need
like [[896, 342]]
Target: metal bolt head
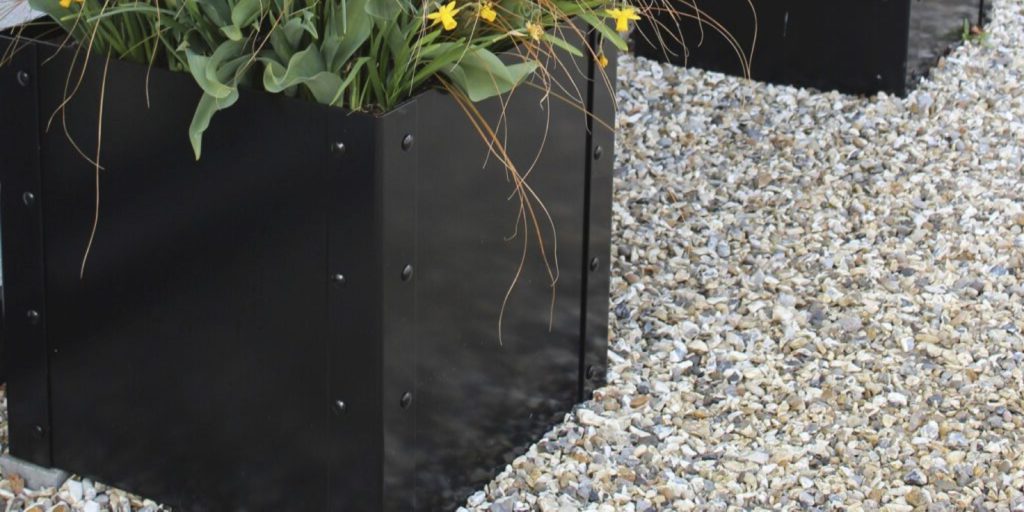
[[406, 400], [339, 279], [591, 373], [339, 407], [28, 198], [23, 78], [407, 141], [595, 264], [598, 152], [407, 273], [33, 317], [338, 148]]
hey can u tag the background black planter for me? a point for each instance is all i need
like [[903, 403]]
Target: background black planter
[[305, 319], [854, 46]]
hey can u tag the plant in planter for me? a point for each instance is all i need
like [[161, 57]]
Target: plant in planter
[[304, 317], [363, 55]]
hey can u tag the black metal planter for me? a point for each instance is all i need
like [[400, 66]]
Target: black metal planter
[[854, 46], [305, 319]]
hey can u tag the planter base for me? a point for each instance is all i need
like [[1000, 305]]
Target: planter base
[[36, 477]]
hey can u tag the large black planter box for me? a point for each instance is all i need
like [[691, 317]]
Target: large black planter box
[[854, 46], [307, 318]]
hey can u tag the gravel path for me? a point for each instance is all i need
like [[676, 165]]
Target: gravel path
[[818, 299], [818, 303]]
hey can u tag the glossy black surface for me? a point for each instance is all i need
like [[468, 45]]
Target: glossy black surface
[[228, 305], [25, 313], [597, 230], [188, 362], [854, 46]]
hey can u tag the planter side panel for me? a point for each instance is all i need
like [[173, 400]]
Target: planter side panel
[[190, 361], [482, 401], [853, 46]]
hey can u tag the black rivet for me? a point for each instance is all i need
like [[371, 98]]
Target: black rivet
[[598, 152], [339, 279], [594, 264], [39, 431], [406, 400], [28, 198], [339, 407], [591, 372], [407, 141], [33, 317], [22, 78], [338, 148], [407, 273]]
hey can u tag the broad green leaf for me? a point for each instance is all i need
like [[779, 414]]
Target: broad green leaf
[[208, 106], [385, 9], [481, 74], [216, 74], [349, 29], [305, 68]]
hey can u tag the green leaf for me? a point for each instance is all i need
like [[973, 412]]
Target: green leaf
[[481, 74], [347, 30], [563, 44], [287, 37], [305, 68], [208, 106], [385, 9], [605, 30], [243, 14], [246, 12], [216, 74]]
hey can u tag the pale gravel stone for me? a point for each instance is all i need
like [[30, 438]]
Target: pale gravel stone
[[819, 298], [829, 282]]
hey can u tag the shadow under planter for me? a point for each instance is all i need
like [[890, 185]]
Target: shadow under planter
[[307, 317], [853, 46]]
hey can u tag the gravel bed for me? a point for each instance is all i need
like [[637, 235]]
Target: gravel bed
[[817, 299], [818, 303]]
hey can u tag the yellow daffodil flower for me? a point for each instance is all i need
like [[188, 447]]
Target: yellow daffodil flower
[[536, 30], [445, 15], [602, 60], [623, 17], [487, 12]]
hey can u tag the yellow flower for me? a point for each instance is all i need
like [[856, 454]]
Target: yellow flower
[[487, 12], [445, 15], [602, 60], [623, 17], [67, 3], [536, 30]]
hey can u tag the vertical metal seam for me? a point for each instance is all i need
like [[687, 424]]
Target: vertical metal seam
[[41, 200], [328, 290], [415, 165], [584, 264]]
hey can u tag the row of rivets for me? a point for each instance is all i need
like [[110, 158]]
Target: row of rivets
[[29, 199], [338, 148]]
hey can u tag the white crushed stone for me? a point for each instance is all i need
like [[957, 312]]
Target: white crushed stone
[[817, 299], [817, 303]]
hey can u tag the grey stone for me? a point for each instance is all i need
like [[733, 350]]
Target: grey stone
[[35, 477]]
